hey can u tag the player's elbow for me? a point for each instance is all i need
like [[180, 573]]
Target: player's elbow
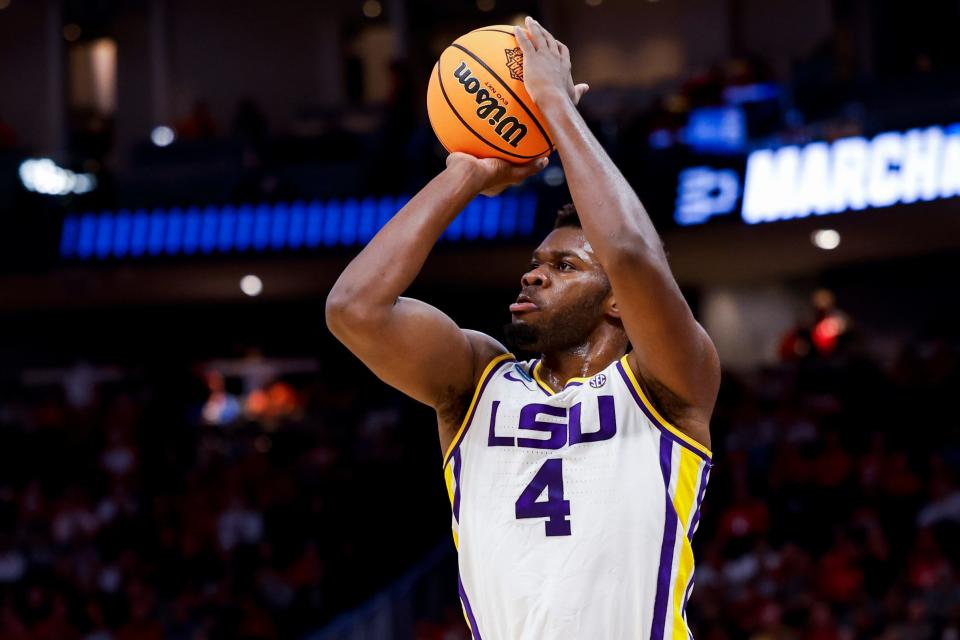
[[338, 311], [348, 315]]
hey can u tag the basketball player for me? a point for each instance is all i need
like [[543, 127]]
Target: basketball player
[[576, 477]]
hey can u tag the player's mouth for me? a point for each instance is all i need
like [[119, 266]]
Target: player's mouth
[[523, 305]]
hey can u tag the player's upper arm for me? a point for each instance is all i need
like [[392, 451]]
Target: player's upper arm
[[415, 348], [669, 345]]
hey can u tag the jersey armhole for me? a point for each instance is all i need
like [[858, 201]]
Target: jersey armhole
[[651, 411], [478, 391]]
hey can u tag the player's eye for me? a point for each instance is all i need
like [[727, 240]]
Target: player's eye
[[565, 266], [533, 265]]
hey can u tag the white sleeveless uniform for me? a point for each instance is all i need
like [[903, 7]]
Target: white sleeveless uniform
[[573, 512]]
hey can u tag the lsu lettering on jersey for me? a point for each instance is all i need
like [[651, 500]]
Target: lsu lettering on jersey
[[574, 511]]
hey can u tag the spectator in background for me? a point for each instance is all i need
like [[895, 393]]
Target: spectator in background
[[198, 124], [8, 137], [250, 125], [221, 407], [821, 333], [400, 118], [249, 122]]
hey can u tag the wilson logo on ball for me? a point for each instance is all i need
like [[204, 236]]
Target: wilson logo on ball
[[490, 108]]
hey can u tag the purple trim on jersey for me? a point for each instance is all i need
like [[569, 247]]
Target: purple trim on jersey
[[693, 527], [573, 384], [533, 366], [469, 611], [463, 434], [703, 489], [653, 419], [666, 548], [457, 462], [686, 596]]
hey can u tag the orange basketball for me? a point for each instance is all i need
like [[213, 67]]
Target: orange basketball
[[477, 103]]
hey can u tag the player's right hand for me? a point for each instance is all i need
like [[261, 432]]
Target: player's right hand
[[490, 176], [546, 66]]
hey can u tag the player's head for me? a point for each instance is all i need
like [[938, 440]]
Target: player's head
[[570, 290]]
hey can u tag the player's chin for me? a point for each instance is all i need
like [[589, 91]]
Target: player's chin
[[525, 318], [521, 333]]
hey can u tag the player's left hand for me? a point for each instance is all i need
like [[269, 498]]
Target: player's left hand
[[546, 65], [490, 176]]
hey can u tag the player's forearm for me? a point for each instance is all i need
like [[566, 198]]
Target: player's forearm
[[390, 262], [612, 215]]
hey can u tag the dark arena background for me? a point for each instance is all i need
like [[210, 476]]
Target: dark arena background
[[185, 450]]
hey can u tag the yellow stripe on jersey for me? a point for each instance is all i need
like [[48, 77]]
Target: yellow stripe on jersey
[[685, 494], [685, 503], [656, 414], [448, 480], [473, 404], [684, 569], [536, 376]]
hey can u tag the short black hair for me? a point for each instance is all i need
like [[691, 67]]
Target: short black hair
[[567, 216]]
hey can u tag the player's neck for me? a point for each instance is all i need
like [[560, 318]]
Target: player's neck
[[583, 361]]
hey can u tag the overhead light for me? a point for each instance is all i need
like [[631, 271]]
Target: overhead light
[[372, 8], [251, 285], [44, 176], [826, 239], [162, 136]]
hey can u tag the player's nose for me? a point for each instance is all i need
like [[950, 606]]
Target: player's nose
[[533, 278]]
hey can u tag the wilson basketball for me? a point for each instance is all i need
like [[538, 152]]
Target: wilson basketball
[[477, 102]]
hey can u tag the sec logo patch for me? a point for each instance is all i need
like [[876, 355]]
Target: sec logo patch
[[598, 380]]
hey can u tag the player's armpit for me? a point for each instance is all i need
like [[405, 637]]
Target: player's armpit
[[674, 410], [415, 348]]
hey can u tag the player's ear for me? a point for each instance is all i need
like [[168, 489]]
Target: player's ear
[[611, 307]]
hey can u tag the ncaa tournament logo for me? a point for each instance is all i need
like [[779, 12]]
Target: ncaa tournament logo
[[598, 380], [515, 63]]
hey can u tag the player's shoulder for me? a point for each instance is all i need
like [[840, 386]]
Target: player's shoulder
[[486, 350]]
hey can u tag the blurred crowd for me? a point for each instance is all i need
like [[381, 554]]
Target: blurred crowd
[[172, 503], [834, 507], [145, 511]]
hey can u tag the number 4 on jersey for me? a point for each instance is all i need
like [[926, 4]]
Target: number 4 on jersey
[[554, 508]]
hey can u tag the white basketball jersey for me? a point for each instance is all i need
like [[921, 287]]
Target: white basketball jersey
[[574, 511]]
